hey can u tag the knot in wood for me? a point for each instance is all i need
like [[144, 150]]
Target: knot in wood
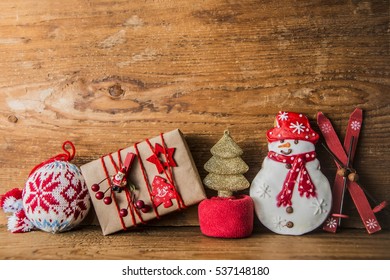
[[12, 118], [116, 91]]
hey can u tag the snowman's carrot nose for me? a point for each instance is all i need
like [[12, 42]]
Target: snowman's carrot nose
[[285, 145]]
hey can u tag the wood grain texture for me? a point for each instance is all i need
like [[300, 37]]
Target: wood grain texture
[[189, 243], [105, 74]]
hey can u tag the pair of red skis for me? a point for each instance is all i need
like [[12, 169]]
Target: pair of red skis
[[347, 178]]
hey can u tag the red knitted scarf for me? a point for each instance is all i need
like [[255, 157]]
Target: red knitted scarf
[[305, 184]]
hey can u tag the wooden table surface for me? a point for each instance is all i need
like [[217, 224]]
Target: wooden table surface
[[106, 74], [187, 243]]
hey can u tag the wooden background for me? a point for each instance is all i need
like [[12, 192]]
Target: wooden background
[[105, 74]]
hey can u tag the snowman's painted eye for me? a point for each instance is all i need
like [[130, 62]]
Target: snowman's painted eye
[[296, 142], [282, 141]]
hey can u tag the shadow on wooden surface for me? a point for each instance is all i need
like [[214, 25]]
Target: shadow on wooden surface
[[189, 243]]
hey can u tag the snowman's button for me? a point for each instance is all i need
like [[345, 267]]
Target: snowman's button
[[290, 224], [289, 209], [288, 165]]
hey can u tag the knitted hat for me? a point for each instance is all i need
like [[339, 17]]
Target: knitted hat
[[290, 125]]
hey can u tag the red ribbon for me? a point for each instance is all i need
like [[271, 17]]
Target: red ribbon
[[62, 157], [168, 171], [132, 209], [146, 180]]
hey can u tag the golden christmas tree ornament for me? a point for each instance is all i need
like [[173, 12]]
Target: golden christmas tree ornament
[[226, 167], [226, 215]]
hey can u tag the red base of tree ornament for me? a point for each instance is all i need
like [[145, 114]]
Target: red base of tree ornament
[[226, 217]]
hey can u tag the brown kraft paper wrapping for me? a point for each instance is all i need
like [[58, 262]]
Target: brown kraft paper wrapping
[[185, 176]]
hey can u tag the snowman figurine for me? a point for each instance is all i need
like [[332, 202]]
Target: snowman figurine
[[290, 193]]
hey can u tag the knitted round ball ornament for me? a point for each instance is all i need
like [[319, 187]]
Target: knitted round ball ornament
[[55, 197]]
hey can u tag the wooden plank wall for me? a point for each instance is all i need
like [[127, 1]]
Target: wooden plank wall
[[105, 74]]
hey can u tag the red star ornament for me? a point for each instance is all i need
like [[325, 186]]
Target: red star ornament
[[161, 165], [162, 192]]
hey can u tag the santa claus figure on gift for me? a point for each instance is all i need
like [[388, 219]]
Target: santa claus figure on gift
[[119, 181], [290, 193]]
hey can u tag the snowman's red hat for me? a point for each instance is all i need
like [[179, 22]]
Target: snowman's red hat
[[290, 125]]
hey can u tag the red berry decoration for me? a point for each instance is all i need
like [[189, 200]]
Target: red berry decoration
[[123, 212], [146, 209], [95, 187], [99, 195], [140, 204], [107, 200]]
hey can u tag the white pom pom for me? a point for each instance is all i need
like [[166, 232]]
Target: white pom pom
[[12, 223], [18, 223]]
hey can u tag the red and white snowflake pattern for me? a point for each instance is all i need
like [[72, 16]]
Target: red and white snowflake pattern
[[39, 193], [55, 197]]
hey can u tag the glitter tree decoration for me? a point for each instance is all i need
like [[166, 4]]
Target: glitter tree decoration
[[226, 168]]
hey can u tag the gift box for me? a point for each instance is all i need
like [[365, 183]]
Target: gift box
[[145, 181]]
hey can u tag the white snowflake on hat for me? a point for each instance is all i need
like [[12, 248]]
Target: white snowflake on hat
[[297, 127], [291, 125], [283, 116]]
